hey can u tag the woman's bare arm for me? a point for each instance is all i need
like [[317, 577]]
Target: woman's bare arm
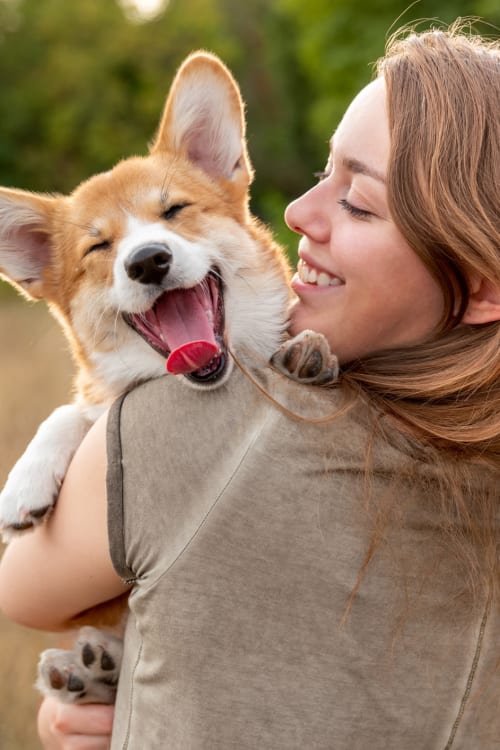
[[62, 568]]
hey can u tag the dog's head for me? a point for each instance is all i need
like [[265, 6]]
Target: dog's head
[[158, 260]]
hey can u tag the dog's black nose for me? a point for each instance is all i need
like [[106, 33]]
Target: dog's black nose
[[149, 264]]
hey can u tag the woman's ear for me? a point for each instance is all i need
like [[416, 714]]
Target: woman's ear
[[484, 302]]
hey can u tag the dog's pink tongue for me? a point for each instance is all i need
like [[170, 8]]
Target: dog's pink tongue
[[184, 316]]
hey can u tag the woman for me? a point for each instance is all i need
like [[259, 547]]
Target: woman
[[333, 584]]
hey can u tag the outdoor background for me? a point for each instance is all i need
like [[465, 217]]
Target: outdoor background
[[82, 84]]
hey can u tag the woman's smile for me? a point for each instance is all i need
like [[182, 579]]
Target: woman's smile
[[309, 274]]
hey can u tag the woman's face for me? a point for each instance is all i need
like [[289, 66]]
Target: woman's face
[[358, 281]]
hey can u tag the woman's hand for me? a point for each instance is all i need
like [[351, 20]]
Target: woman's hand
[[68, 727]]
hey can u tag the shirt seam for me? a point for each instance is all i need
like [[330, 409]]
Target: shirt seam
[[203, 521], [471, 676]]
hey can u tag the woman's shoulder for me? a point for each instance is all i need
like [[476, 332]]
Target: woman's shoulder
[[321, 419]]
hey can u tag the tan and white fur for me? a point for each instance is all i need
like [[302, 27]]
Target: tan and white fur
[[107, 256]]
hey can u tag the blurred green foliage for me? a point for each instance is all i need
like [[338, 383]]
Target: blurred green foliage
[[83, 86]]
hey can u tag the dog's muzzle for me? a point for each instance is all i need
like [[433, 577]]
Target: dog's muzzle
[[149, 264], [186, 326]]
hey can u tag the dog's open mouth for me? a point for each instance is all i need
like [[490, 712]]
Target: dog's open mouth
[[186, 326]]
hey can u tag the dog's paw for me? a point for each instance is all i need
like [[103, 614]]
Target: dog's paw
[[33, 484], [86, 674], [28, 495], [306, 358]]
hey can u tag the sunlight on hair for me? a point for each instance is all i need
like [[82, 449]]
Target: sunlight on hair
[[143, 10]]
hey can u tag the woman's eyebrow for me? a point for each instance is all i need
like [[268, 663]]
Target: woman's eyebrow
[[359, 167]]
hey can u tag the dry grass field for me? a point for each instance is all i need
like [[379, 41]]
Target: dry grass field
[[35, 376]]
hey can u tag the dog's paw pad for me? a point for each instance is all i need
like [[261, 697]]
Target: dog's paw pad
[[88, 655], [56, 678], [106, 662], [87, 674], [306, 358], [75, 684], [59, 680], [60, 676], [99, 651]]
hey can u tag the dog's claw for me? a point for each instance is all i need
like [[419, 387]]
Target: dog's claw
[[40, 513], [307, 359], [29, 521], [24, 526]]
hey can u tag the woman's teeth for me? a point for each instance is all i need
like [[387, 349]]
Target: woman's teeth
[[311, 276]]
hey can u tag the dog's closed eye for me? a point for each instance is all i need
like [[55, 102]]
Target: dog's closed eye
[[172, 211], [103, 245]]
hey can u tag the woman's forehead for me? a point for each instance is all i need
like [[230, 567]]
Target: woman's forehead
[[363, 133]]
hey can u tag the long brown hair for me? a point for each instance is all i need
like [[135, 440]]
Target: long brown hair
[[443, 93]]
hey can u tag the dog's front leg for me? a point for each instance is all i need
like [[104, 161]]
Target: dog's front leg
[[34, 482]]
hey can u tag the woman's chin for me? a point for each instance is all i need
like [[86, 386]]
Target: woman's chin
[[297, 319], [302, 318]]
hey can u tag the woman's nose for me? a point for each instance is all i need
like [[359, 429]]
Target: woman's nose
[[307, 215]]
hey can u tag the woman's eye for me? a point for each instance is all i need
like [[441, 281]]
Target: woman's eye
[[103, 245], [359, 213], [172, 211]]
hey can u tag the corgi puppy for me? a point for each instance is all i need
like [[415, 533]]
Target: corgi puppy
[[157, 264]]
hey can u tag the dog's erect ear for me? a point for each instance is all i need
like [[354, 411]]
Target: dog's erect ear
[[25, 239], [204, 119]]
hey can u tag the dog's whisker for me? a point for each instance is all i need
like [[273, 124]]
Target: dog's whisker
[[241, 277], [96, 313], [169, 175], [115, 334], [217, 274]]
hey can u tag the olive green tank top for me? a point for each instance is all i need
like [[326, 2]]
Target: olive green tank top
[[244, 532]]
